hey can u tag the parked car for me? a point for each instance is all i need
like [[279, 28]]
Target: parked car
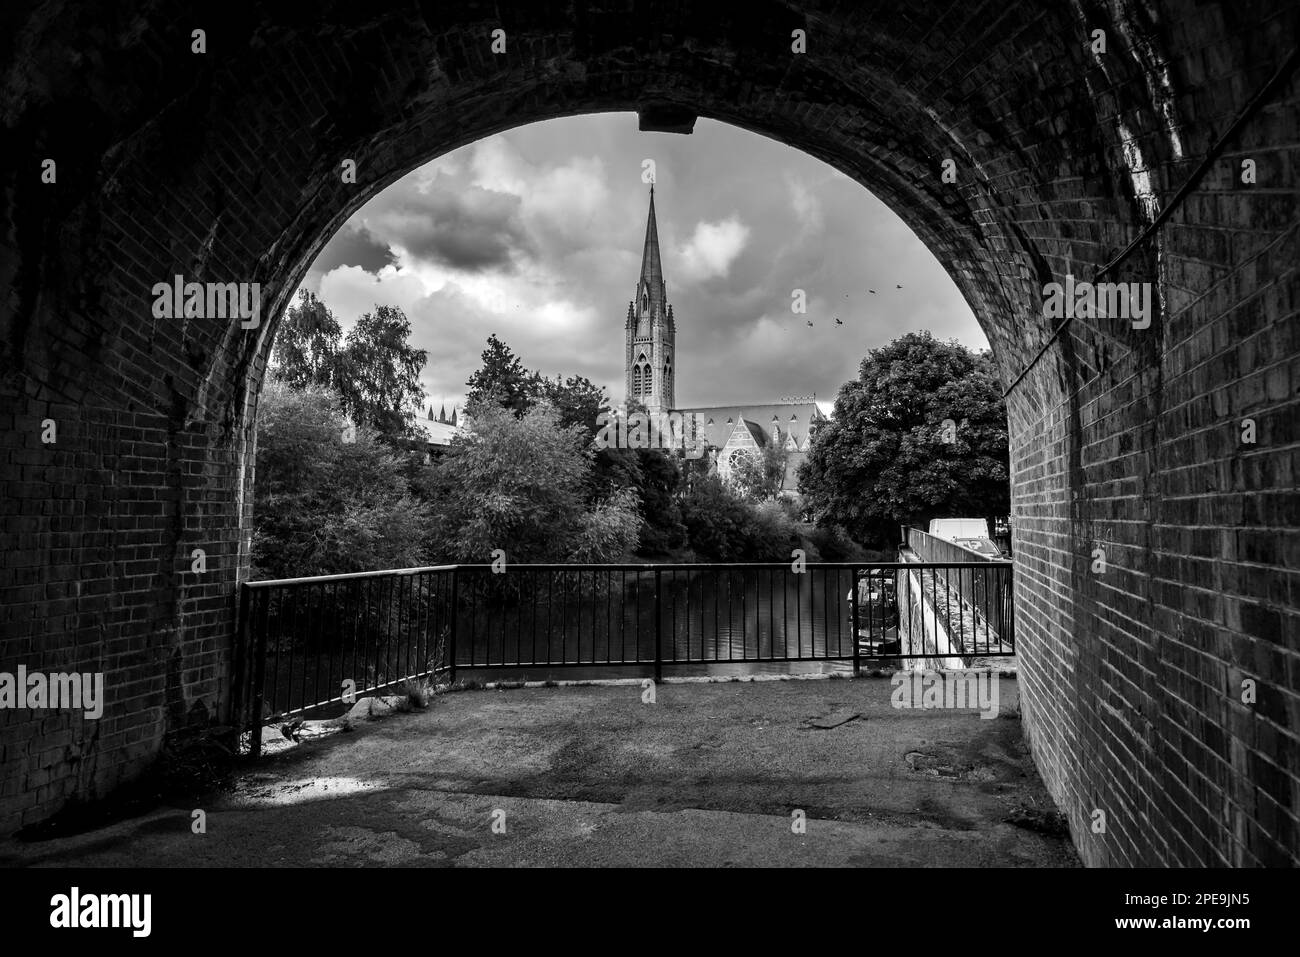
[[957, 528]]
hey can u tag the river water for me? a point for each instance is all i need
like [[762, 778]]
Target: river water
[[719, 621]]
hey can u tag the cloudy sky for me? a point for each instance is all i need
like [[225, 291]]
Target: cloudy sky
[[535, 234]]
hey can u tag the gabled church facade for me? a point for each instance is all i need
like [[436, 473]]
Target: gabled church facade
[[650, 338]]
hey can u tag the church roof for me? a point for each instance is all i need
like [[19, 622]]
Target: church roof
[[760, 437], [439, 433], [792, 418]]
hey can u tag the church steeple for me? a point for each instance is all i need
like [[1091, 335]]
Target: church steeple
[[652, 270], [650, 329]]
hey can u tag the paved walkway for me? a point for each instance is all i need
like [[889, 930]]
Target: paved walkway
[[708, 775]]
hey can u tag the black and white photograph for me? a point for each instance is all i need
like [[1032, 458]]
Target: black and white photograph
[[649, 435]]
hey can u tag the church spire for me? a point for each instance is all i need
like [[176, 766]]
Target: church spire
[[650, 333], [652, 270]]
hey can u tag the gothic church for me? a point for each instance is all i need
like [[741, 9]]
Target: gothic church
[[650, 362]]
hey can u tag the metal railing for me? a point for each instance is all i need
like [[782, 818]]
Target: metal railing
[[984, 591], [311, 642]]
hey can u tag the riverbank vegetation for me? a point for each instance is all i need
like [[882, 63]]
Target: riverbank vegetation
[[345, 482]]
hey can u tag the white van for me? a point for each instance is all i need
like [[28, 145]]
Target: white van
[[955, 528]]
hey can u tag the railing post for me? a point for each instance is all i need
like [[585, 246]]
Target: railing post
[[259, 686], [455, 615], [243, 671], [857, 646], [659, 606]]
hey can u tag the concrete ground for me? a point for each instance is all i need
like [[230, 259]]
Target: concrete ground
[[709, 775]]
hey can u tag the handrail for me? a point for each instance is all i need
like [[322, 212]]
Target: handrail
[[595, 566], [301, 637]]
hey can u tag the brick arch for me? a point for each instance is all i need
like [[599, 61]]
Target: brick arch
[[226, 166]]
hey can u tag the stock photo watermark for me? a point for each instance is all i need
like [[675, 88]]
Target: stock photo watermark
[[59, 691], [952, 690], [1101, 300]]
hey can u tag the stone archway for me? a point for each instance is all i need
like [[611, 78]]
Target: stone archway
[[225, 166]]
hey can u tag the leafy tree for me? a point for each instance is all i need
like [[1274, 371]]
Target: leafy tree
[[306, 344], [724, 527], [502, 380], [577, 399], [378, 374], [658, 487], [830, 543], [324, 505], [521, 484], [922, 432]]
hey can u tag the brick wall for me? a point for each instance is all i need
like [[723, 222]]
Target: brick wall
[[224, 167]]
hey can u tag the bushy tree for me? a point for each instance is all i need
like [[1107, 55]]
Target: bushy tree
[[922, 432], [658, 488], [723, 527], [375, 371], [323, 505], [577, 399], [378, 372], [306, 344], [521, 483], [502, 380]]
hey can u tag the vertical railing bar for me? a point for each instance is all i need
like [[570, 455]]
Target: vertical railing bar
[[672, 585], [390, 605], [857, 643], [798, 612], [744, 614], [659, 604], [295, 628], [481, 582], [454, 625], [282, 618], [686, 618], [321, 607], [258, 689]]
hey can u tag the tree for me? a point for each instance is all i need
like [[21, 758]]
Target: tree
[[520, 483], [378, 373], [658, 484], [577, 399], [306, 344], [502, 381], [324, 506], [723, 527], [922, 432]]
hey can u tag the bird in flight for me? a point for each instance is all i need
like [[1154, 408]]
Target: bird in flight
[[810, 322], [872, 291], [898, 287], [839, 321]]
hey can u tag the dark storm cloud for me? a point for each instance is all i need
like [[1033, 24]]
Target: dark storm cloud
[[354, 246], [456, 225]]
